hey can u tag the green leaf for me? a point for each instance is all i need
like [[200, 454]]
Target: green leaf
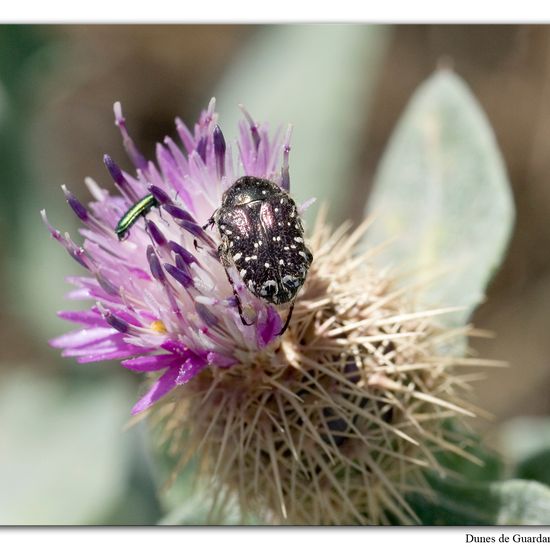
[[535, 467], [3, 105], [523, 437], [319, 78], [198, 508], [64, 452], [140, 503], [488, 467], [442, 192], [512, 502], [187, 500], [478, 495], [526, 443]]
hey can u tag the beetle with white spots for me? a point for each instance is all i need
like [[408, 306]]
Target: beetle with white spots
[[264, 252]]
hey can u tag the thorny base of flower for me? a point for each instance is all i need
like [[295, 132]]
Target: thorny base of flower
[[338, 421]]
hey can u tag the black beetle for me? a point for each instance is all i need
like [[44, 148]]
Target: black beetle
[[263, 237]]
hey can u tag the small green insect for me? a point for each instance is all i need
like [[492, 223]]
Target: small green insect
[[141, 208]]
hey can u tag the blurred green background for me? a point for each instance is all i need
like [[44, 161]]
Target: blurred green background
[[64, 456]]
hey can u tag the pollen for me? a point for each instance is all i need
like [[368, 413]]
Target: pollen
[[159, 326]]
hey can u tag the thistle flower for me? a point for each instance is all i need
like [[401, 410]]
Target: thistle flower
[[163, 303], [331, 423]]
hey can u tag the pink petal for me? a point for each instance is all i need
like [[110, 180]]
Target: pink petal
[[268, 327], [189, 369], [86, 317], [219, 360], [159, 389], [83, 337], [151, 362]]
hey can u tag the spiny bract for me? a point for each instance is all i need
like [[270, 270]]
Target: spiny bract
[[337, 421]]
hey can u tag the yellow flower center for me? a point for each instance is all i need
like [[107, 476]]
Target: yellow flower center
[[158, 326]]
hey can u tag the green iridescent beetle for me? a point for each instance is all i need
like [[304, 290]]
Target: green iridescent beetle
[[140, 208]]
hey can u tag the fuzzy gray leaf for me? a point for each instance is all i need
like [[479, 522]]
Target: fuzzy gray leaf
[[63, 450], [442, 192], [511, 502]]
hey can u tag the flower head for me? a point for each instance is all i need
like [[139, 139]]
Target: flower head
[[163, 302], [336, 420]]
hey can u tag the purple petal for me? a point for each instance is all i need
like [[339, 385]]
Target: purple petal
[[82, 337], [219, 360], [107, 356], [201, 148], [159, 389], [139, 273], [219, 151], [78, 208], [183, 278], [206, 315], [177, 155], [185, 135], [135, 156], [106, 285], [268, 326], [184, 253], [253, 127], [118, 177], [128, 317], [79, 294], [189, 369], [154, 264], [149, 363], [165, 159], [77, 253], [155, 233], [159, 194], [178, 213], [116, 322], [197, 231], [174, 346], [114, 343], [182, 265], [86, 317]]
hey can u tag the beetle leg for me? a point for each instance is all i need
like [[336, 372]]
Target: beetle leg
[[237, 298], [287, 322], [210, 223], [222, 254]]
